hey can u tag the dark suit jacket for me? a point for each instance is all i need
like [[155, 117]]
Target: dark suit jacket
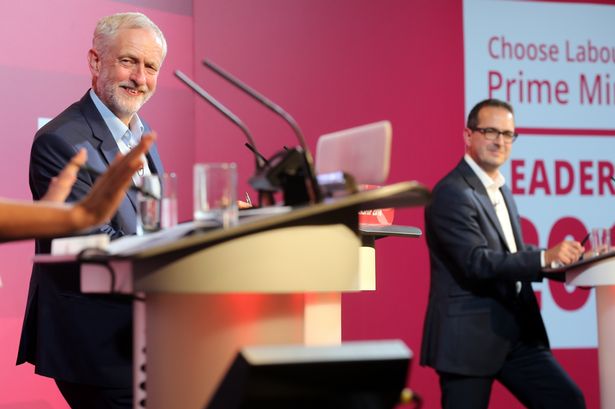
[[71, 336], [474, 314]]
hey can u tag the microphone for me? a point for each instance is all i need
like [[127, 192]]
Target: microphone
[[288, 160], [257, 153], [260, 160], [260, 98]]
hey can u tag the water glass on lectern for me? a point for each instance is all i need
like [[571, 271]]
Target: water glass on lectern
[[156, 202], [215, 193], [148, 204], [600, 239]]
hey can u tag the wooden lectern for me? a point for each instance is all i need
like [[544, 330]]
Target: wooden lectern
[[270, 280], [599, 272]]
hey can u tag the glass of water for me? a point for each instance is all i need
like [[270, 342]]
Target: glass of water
[[148, 204], [156, 202], [215, 193]]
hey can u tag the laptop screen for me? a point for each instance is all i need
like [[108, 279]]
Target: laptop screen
[[363, 151]]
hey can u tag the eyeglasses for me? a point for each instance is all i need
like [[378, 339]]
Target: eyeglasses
[[492, 134]]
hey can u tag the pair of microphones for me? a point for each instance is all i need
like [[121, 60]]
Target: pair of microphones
[[291, 170]]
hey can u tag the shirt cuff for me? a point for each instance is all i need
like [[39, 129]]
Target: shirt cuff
[[554, 264], [542, 259]]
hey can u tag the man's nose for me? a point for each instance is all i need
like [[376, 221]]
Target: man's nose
[[138, 74]]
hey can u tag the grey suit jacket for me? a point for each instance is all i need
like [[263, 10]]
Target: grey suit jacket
[[68, 335], [474, 314]]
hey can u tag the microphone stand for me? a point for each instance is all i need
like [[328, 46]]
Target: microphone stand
[[265, 197], [293, 169]]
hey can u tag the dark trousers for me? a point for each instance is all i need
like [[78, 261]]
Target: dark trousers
[[81, 396], [530, 373]]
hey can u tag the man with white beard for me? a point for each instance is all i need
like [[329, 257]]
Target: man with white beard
[[84, 341]]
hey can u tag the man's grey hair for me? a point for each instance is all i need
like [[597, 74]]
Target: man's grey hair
[[107, 28]]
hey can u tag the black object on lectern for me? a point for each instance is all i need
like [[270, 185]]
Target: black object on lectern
[[356, 375], [290, 170], [285, 171]]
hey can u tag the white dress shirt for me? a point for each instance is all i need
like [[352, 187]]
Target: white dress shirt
[[125, 137], [497, 200]]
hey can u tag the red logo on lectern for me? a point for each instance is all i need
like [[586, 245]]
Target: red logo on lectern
[[378, 217]]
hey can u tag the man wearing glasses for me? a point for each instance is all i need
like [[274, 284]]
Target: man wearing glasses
[[483, 322]]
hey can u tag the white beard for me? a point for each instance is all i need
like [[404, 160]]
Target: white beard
[[120, 103]]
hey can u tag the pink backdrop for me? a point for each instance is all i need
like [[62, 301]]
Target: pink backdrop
[[42, 70], [339, 64], [332, 64]]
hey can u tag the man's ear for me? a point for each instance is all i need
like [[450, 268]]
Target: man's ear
[[94, 62], [467, 135]]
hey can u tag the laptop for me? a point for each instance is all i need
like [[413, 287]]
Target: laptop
[[363, 152]]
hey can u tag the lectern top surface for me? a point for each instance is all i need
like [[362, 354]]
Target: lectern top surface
[[583, 262], [341, 210]]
